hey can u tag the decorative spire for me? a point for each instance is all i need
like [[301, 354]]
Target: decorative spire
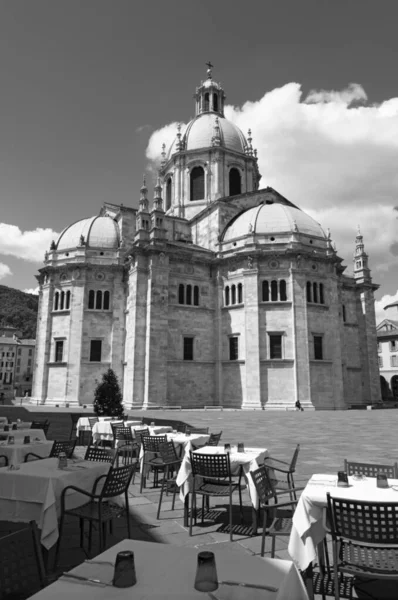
[[209, 70], [179, 144], [361, 269], [143, 206], [157, 199], [249, 142], [163, 155], [217, 137]]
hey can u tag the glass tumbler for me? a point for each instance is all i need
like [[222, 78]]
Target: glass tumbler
[[206, 579], [124, 575]]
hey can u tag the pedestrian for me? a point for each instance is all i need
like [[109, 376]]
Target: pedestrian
[[298, 406]]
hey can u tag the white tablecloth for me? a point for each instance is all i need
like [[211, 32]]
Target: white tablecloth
[[188, 442], [20, 434], [16, 452], [103, 429], [20, 425], [165, 572], [83, 424], [34, 491], [3, 420], [250, 460], [309, 518]]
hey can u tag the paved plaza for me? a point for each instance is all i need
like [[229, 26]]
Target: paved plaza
[[325, 439]]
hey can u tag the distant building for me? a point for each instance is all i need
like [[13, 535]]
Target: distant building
[[387, 348], [220, 293], [24, 367], [8, 352]]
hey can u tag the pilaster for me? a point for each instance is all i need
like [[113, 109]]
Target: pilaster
[[252, 397]]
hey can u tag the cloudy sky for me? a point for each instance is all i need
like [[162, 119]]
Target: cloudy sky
[[90, 90]]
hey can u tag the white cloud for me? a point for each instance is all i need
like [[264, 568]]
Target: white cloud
[[380, 304], [34, 291], [4, 270], [28, 245], [331, 154]]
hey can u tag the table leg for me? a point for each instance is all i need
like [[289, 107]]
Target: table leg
[[254, 520], [186, 510]]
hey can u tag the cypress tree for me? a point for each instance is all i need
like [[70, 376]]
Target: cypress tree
[[108, 396]]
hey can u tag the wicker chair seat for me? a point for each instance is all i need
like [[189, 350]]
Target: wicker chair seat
[[90, 511], [368, 560]]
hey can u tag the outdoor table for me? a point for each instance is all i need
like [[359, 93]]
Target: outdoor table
[[20, 434], [17, 451], [310, 515], [184, 441], [83, 424], [170, 573], [154, 429], [33, 492], [4, 420], [103, 429], [20, 425], [249, 460]]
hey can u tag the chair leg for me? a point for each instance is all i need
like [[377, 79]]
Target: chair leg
[[104, 534], [264, 533], [203, 509], [174, 496], [160, 498], [101, 540], [90, 536], [273, 547], [192, 509], [60, 529], [81, 532], [230, 516]]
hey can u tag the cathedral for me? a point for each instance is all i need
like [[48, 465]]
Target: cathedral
[[217, 293]]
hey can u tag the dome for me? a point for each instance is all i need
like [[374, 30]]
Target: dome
[[199, 134], [98, 232], [274, 218]]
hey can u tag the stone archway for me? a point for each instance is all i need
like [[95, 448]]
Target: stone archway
[[385, 388], [394, 386]]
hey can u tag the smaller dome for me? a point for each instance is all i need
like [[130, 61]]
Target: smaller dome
[[268, 219], [98, 232], [211, 83]]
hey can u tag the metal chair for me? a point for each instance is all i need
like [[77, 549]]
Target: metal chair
[[98, 454], [57, 448], [22, 570], [44, 425], [214, 439], [171, 464], [4, 460], [365, 539], [286, 482], [99, 509], [150, 448], [370, 470], [282, 519], [212, 477]]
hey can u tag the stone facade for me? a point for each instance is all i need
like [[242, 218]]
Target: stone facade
[[220, 294]]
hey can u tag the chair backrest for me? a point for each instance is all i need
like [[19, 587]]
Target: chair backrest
[[117, 481], [211, 466], [67, 447], [294, 459], [364, 521], [44, 425], [196, 429], [99, 454], [121, 432], [370, 470], [214, 439], [21, 563], [168, 452], [151, 443], [93, 421], [139, 434], [263, 484]]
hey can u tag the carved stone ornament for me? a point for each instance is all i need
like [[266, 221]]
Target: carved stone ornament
[[162, 258], [100, 276], [63, 277], [273, 264], [76, 274], [250, 262]]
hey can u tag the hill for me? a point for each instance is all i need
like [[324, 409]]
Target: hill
[[19, 310]]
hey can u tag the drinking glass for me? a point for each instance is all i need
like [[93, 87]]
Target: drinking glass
[[227, 447], [206, 579], [124, 575]]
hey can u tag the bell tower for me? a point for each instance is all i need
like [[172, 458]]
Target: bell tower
[[209, 96]]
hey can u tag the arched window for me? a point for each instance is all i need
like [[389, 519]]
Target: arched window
[[233, 294], [215, 102], [265, 291], [227, 296], [235, 186], [168, 193], [197, 183], [274, 290], [106, 300], [321, 294], [196, 295], [189, 294], [61, 307], [206, 101], [67, 304], [56, 300], [309, 289], [91, 296], [315, 292], [181, 294], [240, 293], [282, 290], [98, 300]]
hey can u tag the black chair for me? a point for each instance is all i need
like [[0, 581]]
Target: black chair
[[3, 460], [212, 477], [189, 429], [150, 448], [57, 448], [139, 434], [99, 454], [44, 425], [99, 509], [282, 472], [370, 469], [282, 515], [74, 418], [171, 464], [214, 439], [22, 571], [365, 540]]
